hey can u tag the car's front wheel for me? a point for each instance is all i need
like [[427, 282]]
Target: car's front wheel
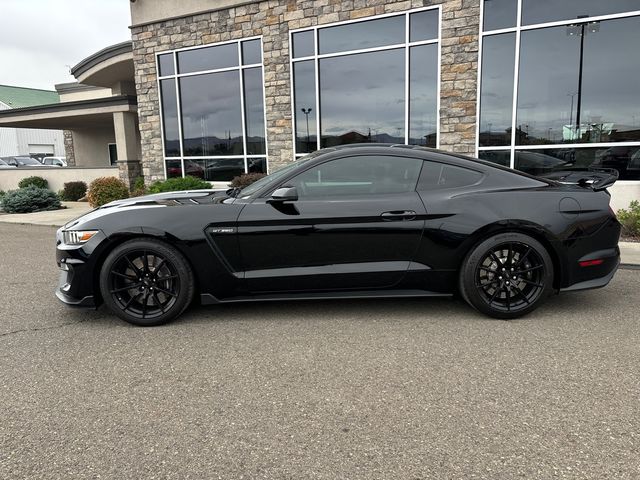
[[146, 282], [507, 275]]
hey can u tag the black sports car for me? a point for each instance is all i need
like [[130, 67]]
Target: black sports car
[[354, 221]]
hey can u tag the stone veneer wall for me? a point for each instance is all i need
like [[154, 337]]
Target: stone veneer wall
[[68, 148], [273, 19]]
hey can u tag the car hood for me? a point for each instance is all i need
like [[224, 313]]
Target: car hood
[[188, 197], [158, 200]]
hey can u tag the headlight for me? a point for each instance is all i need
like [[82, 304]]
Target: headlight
[[77, 237]]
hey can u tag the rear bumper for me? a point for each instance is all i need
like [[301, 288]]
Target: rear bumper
[[593, 283]]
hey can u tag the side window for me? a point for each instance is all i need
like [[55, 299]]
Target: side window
[[438, 176], [361, 175]]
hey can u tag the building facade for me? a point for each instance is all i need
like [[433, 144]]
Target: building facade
[[219, 91], [226, 87]]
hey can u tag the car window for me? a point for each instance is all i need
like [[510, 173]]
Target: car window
[[438, 176], [359, 175]]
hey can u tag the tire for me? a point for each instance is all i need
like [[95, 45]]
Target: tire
[[146, 282], [506, 276]]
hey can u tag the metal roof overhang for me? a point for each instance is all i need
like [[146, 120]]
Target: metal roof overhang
[[107, 67], [69, 115]]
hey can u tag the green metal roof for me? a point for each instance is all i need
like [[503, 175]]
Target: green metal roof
[[19, 97]]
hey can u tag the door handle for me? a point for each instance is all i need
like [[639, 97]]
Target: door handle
[[398, 215]]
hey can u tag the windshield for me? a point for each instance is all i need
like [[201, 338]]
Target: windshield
[[276, 175]]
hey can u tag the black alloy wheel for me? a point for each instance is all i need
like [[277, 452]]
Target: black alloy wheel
[[507, 275], [146, 282]]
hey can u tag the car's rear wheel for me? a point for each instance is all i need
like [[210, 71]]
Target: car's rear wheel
[[146, 282], [507, 276]]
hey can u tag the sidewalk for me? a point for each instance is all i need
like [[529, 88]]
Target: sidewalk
[[629, 251], [55, 218]]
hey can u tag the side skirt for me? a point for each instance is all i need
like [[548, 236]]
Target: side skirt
[[208, 299]]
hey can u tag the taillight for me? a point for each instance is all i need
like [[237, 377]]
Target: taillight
[[591, 263]]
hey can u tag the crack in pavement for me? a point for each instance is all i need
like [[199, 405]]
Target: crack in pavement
[[38, 329]]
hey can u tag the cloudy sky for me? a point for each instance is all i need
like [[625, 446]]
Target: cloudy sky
[[40, 39]]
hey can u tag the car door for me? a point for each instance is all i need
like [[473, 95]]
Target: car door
[[356, 224]]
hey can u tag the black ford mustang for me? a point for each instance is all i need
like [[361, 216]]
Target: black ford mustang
[[352, 221]]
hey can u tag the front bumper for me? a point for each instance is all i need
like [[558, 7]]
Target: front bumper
[[77, 283]]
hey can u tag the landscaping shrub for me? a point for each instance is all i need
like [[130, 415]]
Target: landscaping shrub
[[30, 199], [106, 189], [33, 182], [246, 179], [630, 219], [2, 194], [74, 191], [139, 188], [178, 183]]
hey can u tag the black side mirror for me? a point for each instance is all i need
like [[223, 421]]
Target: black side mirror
[[284, 194]]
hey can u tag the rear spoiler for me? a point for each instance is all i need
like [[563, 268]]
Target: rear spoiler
[[595, 178]]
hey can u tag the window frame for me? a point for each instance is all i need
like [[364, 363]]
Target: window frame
[[518, 29], [406, 45], [176, 76]]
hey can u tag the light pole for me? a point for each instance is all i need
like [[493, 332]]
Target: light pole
[[581, 30], [306, 112], [571, 111]]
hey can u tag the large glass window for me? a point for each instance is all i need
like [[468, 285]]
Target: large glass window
[[374, 80], [496, 92], [575, 84], [213, 110], [541, 11]]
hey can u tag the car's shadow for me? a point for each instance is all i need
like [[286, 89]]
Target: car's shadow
[[375, 309]]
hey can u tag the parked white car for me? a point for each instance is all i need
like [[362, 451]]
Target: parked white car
[[55, 161]]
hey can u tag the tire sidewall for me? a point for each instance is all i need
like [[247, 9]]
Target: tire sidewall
[[467, 286], [182, 267]]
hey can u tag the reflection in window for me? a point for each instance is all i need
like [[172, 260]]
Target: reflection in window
[[499, 14], [577, 85], [174, 168], [496, 89], [251, 52], [368, 34], [165, 64], [423, 25], [371, 96], [170, 117], [501, 157], [211, 115], [220, 111], [554, 106], [304, 101], [423, 88], [361, 175], [303, 44], [541, 11], [254, 111], [362, 98], [626, 160], [208, 58]]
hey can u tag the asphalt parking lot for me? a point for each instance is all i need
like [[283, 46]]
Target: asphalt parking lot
[[393, 389]]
